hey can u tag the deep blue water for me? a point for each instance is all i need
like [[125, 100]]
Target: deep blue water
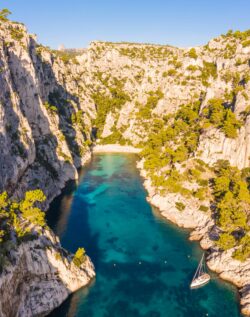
[[143, 263]]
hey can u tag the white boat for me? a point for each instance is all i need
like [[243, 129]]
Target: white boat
[[201, 277]]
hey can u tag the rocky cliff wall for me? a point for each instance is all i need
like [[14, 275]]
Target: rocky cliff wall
[[47, 105], [40, 277], [50, 113]]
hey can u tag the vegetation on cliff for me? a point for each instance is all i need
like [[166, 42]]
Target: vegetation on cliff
[[17, 221], [152, 96], [232, 199], [173, 140]]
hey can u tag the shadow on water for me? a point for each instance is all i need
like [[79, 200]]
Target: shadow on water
[[59, 218]]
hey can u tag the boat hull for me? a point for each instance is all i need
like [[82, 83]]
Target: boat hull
[[199, 282]]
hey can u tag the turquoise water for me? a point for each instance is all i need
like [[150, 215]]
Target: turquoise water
[[143, 263]]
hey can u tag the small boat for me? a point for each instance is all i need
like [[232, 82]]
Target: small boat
[[201, 277]]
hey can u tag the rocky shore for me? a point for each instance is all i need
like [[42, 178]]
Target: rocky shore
[[201, 224]]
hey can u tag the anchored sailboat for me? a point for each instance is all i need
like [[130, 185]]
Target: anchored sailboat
[[201, 277]]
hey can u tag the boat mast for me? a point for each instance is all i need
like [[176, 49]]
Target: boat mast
[[199, 268]]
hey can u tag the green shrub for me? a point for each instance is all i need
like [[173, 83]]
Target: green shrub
[[51, 108], [246, 43], [67, 55], [203, 208], [221, 117], [152, 101], [209, 69], [192, 68], [12, 214], [29, 212], [106, 104], [192, 53], [226, 241], [171, 72], [79, 257], [16, 34], [4, 13], [232, 197], [180, 206], [243, 252], [114, 138]]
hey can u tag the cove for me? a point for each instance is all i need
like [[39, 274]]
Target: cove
[[143, 263]]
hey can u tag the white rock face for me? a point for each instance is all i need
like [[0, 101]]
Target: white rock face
[[191, 217], [40, 278], [110, 121], [214, 146], [40, 146]]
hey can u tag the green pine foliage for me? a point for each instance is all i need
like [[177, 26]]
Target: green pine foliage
[[79, 257], [226, 241], [29, 211], [242, 253], [180, 206], [4, 13], [51, 108], [232, 199], [16, 219], [208, 70], [192, 53], [183, 131], [16, 34], [145, 111], [108, 103], [114, 138], [217, 114]]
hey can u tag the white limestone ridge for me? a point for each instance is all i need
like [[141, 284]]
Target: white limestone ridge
[[47, 121], [40, 277]]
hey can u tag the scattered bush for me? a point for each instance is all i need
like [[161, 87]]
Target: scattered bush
[[180, 206], [192, 53], [79, 257]]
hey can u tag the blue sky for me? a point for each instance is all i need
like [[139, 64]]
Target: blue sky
[[75, 23]]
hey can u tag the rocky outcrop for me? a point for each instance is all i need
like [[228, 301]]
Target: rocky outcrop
[[215, 146], [40, 277]]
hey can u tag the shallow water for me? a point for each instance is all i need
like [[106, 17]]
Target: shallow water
[[143, 263]]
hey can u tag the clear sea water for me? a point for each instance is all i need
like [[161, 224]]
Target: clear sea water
[[144, 264]]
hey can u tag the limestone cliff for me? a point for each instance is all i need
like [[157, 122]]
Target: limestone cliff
[[40, 276], [44, 131], [53, 105], [44, 121], [48, 107]]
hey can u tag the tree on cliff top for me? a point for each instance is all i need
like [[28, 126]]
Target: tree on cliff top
[[4, 13]]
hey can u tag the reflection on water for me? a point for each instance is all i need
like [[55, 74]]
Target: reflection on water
[[144, 264]]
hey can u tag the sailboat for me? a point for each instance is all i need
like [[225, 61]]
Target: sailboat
[[201, 277]]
